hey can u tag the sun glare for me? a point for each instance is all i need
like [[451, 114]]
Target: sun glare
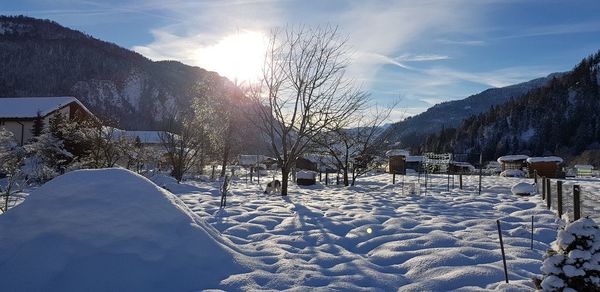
[[238, 56]]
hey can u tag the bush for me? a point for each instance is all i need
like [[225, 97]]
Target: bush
[[574, 262]]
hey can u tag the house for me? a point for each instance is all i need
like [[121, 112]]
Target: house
[[397, 161], [583, 170], [18, 114], [548, 166]]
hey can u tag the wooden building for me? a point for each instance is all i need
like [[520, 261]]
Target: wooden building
[[397, 161], [513, 162], [548, 166]]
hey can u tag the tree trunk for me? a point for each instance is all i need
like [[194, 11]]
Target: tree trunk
[[346, 181], [225, 159], [285, 173]]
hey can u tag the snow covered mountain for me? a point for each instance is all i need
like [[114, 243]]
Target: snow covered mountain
[[43, 58], [412, 131]]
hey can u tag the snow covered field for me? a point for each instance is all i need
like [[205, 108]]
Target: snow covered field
[[373, 236]]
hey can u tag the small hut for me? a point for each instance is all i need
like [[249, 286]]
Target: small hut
[[583, 170], [513, 162], [306, 177], [397, 161], [548, 166]]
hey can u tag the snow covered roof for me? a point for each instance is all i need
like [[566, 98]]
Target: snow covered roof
[[28, 107], [415, 158], [509, 158], [544, 159], [584, 166], [397, 152]]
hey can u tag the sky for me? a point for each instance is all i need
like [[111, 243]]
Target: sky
[[413, 53]]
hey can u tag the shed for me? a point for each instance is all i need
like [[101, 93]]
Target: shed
[[306, 177], [415, 163], [509, 162], [397, 161], [584, 170], [548, 166], [306, 164]]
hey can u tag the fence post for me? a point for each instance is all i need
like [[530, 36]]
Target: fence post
[[559, 197], [548, 193], [502, 249], [394, 178], [535, 178], [576, 203], [543, 187], [460, 180], [327, 178], [480, 171]]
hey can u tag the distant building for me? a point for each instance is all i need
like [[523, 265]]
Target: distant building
[[513, 162], [584, 170], [17, 114], [397, 161], [547, 166]]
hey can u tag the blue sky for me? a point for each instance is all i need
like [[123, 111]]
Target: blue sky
[[418, 52]]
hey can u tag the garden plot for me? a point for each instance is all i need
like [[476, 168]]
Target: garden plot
[[377, 235]]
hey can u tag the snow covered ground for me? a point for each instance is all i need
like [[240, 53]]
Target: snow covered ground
[[374, 236]]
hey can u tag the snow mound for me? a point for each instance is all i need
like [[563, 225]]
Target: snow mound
[[523, 189], [110, 230], [512, 173]]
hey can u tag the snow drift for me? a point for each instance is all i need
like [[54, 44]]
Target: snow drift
[[110, 230]]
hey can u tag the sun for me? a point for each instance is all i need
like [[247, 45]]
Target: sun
[[238, 56]]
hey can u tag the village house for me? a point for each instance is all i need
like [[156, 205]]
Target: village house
[[18, 114]]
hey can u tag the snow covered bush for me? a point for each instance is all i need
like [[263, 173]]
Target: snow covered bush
[[574, 262], [46, 158], [11, 159]]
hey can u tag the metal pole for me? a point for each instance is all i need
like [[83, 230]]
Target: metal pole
[[502, 249]]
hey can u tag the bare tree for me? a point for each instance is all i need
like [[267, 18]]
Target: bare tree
[[355, 149], [182, 140], [303, 90]]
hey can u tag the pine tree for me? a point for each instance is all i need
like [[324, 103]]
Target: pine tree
[[38, 125]]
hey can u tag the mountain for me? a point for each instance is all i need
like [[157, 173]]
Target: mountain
[[561, 118], [413, 130], [43, 58]]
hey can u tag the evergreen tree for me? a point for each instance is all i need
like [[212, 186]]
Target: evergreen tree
[[38, 125]]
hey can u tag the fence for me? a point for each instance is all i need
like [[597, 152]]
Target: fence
[[568, 197]]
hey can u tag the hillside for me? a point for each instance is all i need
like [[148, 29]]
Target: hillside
[[43, 58], [413, 130], [559, 118]]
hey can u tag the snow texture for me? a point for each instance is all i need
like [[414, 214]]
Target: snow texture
[[513, 173], [508, 158], [110, 230], [397, 152], [28, 107], [376, 237], [523, 188]]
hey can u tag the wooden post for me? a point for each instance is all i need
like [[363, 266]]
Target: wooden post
[[394, 178], [502, 249], [460, 181], [535, 178], [549, 192], [543, 187], [337, 178], [212, 175], [531, 232], [480, 171], [576, 202], [327, 178], [559, 197], [251, 173], [258, 174], [448, 183], [320, 177]]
